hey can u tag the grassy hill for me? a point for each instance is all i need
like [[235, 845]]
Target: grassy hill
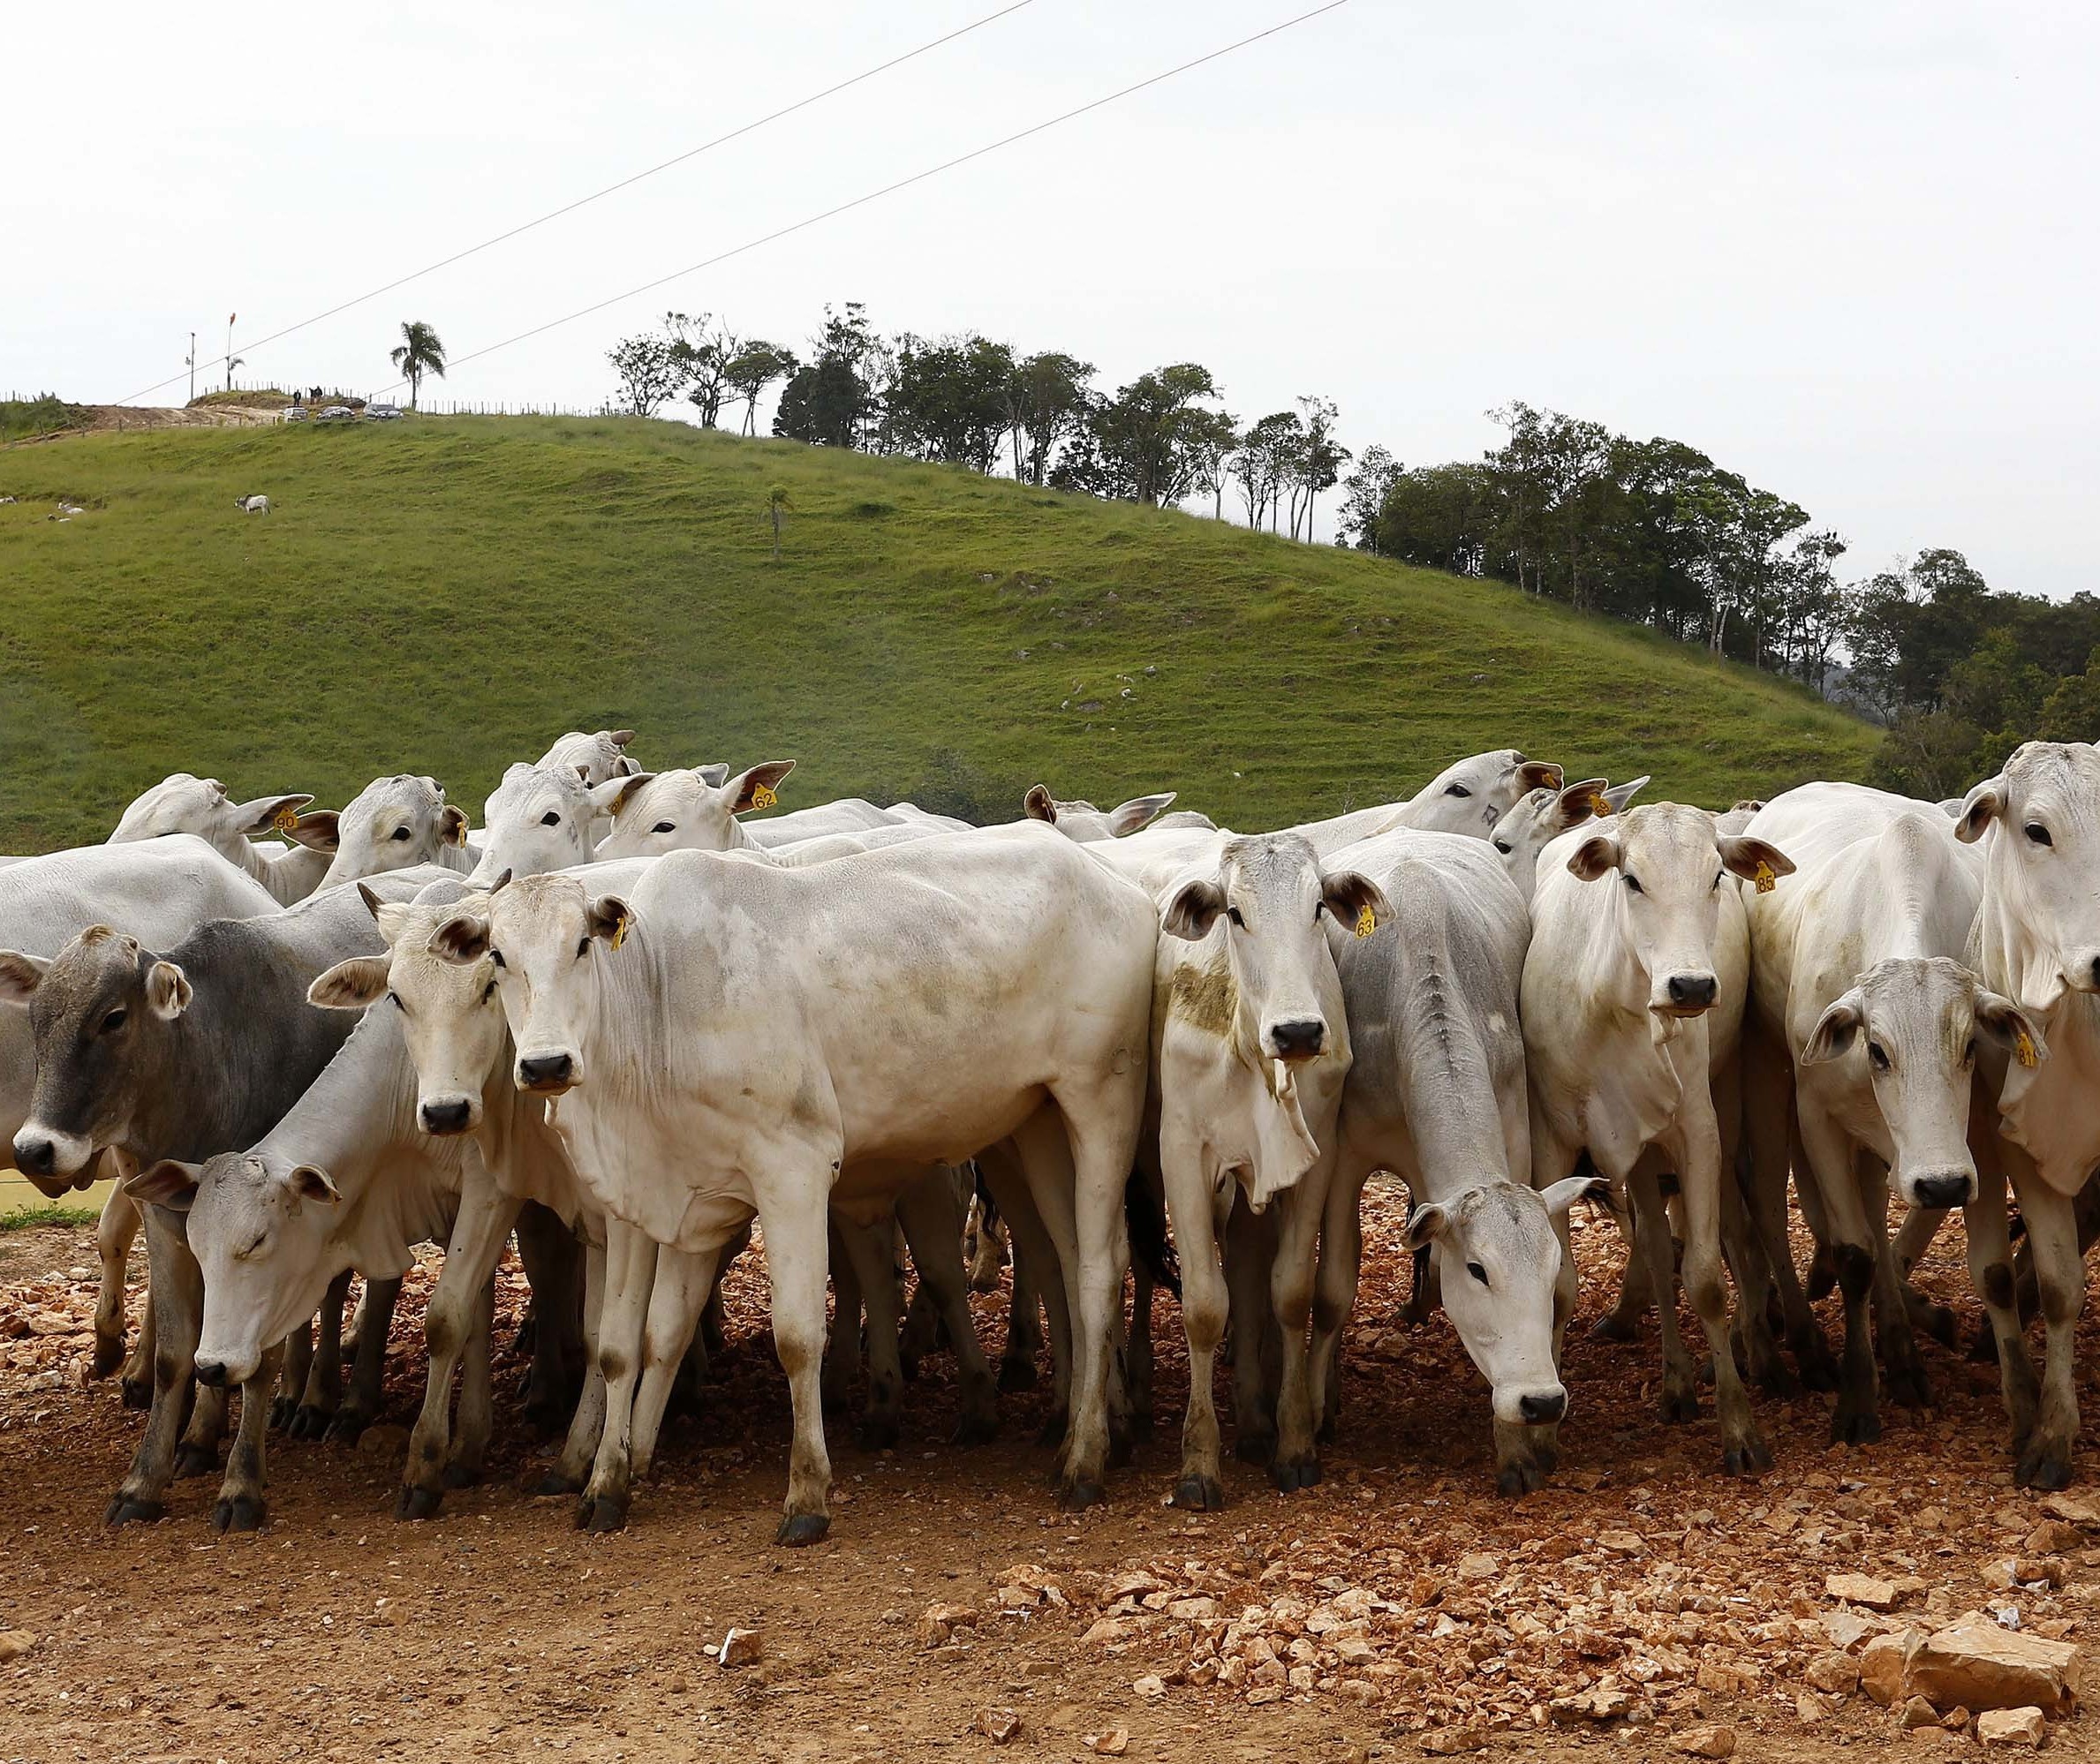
[[445, 596]]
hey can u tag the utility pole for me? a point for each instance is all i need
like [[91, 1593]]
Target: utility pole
[[190, 358], [231, 317]]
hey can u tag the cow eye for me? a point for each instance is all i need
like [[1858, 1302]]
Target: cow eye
[[1717, 876], [1502, 846], [496, 956], [488, 991], [1318, 906], [1969, 1053], [1633, 884], [2039, 833], [1879, 1055], [664, 826], [400, 833], [550, 819], [1478, 1272], [1233, 913], [1456, 790], [394, 999], [582, 948], [115, 1021]]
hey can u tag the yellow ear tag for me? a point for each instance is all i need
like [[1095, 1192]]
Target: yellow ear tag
[[286, 820], [2023, 1050], [762, 796], [620, 932], [1767, 880], [1600, 804], [1367, 922]]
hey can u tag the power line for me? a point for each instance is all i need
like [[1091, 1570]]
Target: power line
[[891, 189], [610, 189]]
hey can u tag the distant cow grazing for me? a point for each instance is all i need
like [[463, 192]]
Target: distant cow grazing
[[252, 505]]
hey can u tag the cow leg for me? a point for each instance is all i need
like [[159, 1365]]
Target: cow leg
[[1335, 1293], [928, 1212], [1036, 1200], [630, 1274], [114, 1234], [1039, 1290], [477, 1395], [1991, 1269], [366, 1395], [1249, 1249], [1291, 1279], [1652, 1247], [554, 1265], [1857, 1420], [1915, 1237], [679, 1294], [572, 1468], [479, 1230], [198, 1454], [137, 1378], [867, 1246], [1815, 1210], [1017, 1369], [1743, 1450], [1756, 1288], [1768, 1108], [1197, 1207], [1902, 1365], [321, 1393], [296, 1369], [240, 1505], [797, 1247], [985, 1245], [175, 1291], [842, 1348], [1100, 1166], [2052, 1231]]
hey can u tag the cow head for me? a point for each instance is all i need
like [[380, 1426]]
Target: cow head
[[183, 802], [1668, 864], [1080, 820], [2041, 873], [688, 811], [544, 937], [1498, 1259], [600, 758], [1472, 795], [540, 818], [452, 1023], [1910, 1028], [392, 824], [261, 1229], [1544, 815], [99, 1012]]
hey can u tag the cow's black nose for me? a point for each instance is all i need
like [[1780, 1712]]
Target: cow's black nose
[[1299, 1040], [211, 1372], [1694, 989], [1952, 1190], [442, 1117], [36, 1157], [1540, 1410], [546, 1068]]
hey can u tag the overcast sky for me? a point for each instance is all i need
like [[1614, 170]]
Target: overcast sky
[[1849, 250]]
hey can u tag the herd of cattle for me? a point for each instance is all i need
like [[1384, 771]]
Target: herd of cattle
[[624, 1023]]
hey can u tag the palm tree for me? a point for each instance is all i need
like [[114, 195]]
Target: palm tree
[[420, 353]]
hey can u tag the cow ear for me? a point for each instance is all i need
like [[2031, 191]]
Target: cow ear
[[1538, 774], [1193, 910], [756, 784], [1356, 900], [606, 798], [1561, 1195], [461, 939], [714, 775], [169, 1183], [351, 985], [167, 991], [20, 976], [452, 825], [1577, 803], [1597, 856], [1039, 804], [620, 737], [1844, 1019], [269, 814], [317, 830], [1426, 1223], [1981, 807], [1620, 795], [393, 918], [611, 918], [1137, 812], [1754, 859], [2006, 1023], [310, 1182]]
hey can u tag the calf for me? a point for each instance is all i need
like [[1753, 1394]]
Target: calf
[[683, 810], [394, 823], [542, 818], [184, 803], [252, 505]]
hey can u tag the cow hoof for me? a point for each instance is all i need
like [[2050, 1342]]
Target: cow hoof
[[604, 1513], [799, 1530], [1908, 1386], [878, 1433], [1198, 1494], [1053, 1430], [1822, 1275], [1120, 1445], [1018, 1375], [555, 1482], [1775, 1379], [1520, 1476], [1254, 1447], [1939, 1323], [108, 1354], [1818, 1369], [418, 1504], [308, 1422], [1292, 1474], [347, 1427], [545, 1420], [1679, 1406], [1854, 1426], [282, 1410], [1611, 1327], [196, 1460], [1983, 1348], [238, 1512], [2043, 1468], [138, 1393], [130, 1510], [1751, 1457], [461, 1475], [1076, 1497], [976, 1429]]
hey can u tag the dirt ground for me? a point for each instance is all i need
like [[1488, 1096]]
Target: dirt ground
[[1413, 1600]]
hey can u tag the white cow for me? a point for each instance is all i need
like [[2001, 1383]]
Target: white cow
[[394, 823], [597, 757], [1633, 998], [1080, 820], [543, 818], [2037, 943], [184, 803], [687, 810], [252, 505], [1470, 797], [737, 1038]]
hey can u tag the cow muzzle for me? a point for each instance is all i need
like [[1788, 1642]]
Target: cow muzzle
[[1540, 1408], [1297, 1038], [546, 1074], [41, 1153], [1939, 1188], [2082, 970], [442, 1116], [1687, 994]]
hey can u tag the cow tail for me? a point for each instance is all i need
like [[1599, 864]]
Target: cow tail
[[1144, 1211]]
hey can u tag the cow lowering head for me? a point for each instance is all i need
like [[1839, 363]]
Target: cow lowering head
[[183, 802], [1080, 820], [1498, 1258], [600, 758], [1668, 865], [392, 824], [451, 1024], [1472, 795], [544, 936], [1909, 1028], [689, 811], [1544, 815], [261, 1230], [101, 1011], [538, 819], [2041, 873]]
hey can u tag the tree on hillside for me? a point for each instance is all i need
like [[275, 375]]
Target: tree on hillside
[[949, 400], [751, 370], [1144, 444], [835, 401], [418, 352], [1364, 495], [705, 350], [1045, 403], [1319, 461], [654, 367], [1266, 460]]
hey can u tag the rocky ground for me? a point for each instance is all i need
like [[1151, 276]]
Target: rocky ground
[[1638, 1606]]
